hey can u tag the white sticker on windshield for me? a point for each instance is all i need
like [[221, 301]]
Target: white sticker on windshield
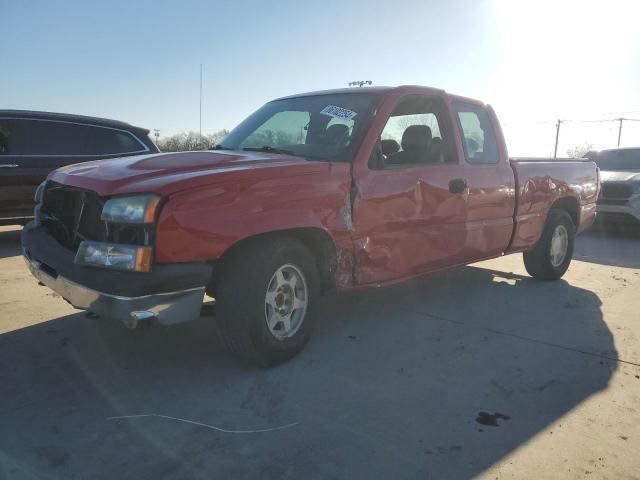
[[338, 112]]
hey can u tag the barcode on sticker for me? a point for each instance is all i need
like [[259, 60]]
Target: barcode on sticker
[[338, 112]]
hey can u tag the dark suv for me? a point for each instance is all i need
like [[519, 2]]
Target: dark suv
[[32, 144]]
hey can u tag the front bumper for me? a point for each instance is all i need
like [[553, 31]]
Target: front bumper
[[169, 293], [167, 308]]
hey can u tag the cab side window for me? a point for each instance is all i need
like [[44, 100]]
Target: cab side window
[[414, 135], [479, 138]]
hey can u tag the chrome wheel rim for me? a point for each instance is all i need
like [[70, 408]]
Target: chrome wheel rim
[[286, 300], [559, 245]]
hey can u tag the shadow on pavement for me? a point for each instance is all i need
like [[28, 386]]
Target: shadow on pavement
[[391, 386], [610, 244], [10, 242]]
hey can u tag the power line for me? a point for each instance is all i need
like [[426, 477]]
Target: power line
[[621, 113], [560, 122], [604, 120], [591, 121]]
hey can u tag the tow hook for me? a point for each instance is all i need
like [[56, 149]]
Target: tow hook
[[143, 316]]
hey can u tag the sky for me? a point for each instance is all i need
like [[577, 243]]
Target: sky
[[138, 61]]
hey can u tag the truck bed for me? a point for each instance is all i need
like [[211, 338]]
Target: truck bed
[[573, 182]]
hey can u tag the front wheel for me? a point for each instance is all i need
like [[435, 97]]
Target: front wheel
[[266, 301], [550, 258]]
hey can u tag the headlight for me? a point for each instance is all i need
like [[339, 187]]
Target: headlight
[[37, 197], [136, 209], [119, 257]]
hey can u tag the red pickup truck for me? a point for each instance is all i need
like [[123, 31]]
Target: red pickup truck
[[312, 193]]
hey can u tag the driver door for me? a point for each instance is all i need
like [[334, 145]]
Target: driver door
[[411, 204]]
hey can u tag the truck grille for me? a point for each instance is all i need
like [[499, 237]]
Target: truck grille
[[71, 215], [617, 191]]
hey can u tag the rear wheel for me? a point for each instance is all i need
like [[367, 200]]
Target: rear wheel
[[551, 256], [266, 300]]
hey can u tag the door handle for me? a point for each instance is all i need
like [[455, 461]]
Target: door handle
[[458, 185], [8, 165]]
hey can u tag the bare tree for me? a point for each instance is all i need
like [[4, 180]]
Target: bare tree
[[187, 141], [579, 151]]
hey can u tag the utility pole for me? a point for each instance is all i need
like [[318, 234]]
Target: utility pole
[[619, 129], [555, 150], [156, 133], [200, 137]]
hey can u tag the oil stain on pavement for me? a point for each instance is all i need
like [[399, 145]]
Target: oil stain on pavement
[[489, 420]]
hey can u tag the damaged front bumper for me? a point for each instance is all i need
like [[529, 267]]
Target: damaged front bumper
[[167, 308], [169, 293]]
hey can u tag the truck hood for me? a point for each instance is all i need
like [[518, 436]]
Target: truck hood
[[620, 176], [167, 173]]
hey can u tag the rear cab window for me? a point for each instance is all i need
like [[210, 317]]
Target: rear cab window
[[480, 146]]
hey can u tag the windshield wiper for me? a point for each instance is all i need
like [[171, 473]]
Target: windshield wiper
[[221, 147], [268, 149]]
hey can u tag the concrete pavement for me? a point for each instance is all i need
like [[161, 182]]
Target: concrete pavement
[[402, 382]]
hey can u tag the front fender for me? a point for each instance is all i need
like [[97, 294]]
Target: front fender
[[202, 223]]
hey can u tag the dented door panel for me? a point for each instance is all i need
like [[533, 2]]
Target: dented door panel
[[407, 222]]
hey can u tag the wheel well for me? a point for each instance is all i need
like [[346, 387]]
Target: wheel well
[[317, 241], [571, 206]]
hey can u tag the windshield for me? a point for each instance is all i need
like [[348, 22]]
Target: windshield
[[320, 127], [628, 159]]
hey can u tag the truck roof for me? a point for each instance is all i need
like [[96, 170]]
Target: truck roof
[[378, 90], [70, 117], [410, 89]]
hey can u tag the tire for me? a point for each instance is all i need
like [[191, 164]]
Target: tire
[[543, 261], [241, 300]]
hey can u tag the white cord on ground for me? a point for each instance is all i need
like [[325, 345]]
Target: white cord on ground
[[212, 427]]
